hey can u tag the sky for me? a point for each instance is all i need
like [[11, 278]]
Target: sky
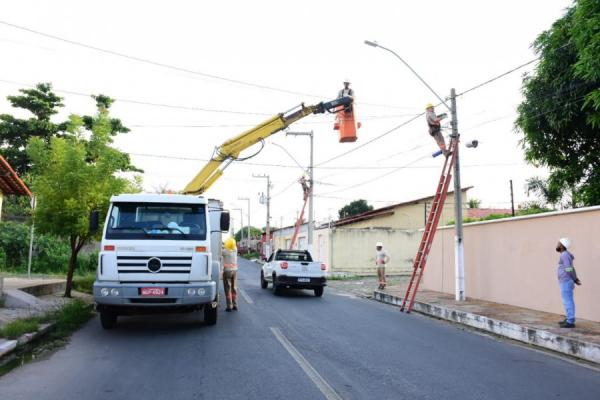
[[242, 62]]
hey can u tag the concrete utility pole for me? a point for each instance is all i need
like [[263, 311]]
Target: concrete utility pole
[[459, 254], [248, 230], [241, 223], [268, 200], [311, 179], [512, 199]]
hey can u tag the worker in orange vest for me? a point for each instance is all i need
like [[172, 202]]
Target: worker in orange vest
[[230, 274]]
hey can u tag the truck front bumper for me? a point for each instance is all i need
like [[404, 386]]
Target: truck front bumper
[[176, 294]]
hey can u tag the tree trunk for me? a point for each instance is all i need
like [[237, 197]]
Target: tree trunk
[[76, 245]]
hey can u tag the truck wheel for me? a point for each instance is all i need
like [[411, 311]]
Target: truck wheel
[[210, 314], [263, 283], [108, 319], [319, 291], [276, 287]]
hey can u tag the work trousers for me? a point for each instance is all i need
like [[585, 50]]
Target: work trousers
[[230, 286], [566, 292], [381, 274], [439, 139]]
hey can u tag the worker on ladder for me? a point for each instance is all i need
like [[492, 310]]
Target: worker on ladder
[[346, 92], [435, 127]]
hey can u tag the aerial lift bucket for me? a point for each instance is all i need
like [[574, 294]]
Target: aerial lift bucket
[[346, 124]]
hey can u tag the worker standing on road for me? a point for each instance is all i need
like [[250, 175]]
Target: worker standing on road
[[230, 274], [381, 259], [435, 127], [567, 279]]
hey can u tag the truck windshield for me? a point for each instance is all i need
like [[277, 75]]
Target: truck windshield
[[157, 221]]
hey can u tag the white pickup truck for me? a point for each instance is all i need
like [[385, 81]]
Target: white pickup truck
[[293, 269]]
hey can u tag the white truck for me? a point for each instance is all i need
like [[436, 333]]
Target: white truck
[[159, 253], [293, 269]]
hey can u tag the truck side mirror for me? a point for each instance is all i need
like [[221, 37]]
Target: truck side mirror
[[94, 221], [224, 221]]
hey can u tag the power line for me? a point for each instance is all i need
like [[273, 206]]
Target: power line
[[141, 102], [172, 67]]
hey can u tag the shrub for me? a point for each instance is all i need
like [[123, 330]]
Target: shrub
[[84, 283]]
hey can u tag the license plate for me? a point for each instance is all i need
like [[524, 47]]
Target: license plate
[[152, 291], [305, 280]]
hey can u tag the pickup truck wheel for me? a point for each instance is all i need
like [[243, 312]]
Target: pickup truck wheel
[[319, 291], [210, 314], [263, 283], [108, 319], [276, 287]]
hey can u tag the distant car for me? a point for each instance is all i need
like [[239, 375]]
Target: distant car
[[293, 269]]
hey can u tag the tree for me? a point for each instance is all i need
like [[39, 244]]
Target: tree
[[560, 113], [474, 203], [74, 175], [354, 208], [254, 233]]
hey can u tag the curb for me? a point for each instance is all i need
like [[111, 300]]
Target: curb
[[8, 346], [533, 336]]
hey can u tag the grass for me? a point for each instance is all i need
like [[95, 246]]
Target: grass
[[1, 301], [251, 255], [15, 329], [84, 283]]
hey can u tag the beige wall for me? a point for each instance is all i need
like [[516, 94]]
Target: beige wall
[[353, 250], [513, 261], [411, 216]]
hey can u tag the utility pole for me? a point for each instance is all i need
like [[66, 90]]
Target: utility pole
[[241, 223], [512, 199], [30, 256], [459, 255], [268, 200], [311, 179], [248, 230]]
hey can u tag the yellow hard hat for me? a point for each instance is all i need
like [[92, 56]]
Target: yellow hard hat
[[230, 244], [429, 105]]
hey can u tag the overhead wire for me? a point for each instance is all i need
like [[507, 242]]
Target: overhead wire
[[171, 66]]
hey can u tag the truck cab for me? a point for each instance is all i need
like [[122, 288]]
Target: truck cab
[[159, 253]]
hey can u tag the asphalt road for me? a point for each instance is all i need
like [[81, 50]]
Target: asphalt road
[[295, 346]]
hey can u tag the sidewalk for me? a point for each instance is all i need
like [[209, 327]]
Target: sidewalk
[[536, 328]]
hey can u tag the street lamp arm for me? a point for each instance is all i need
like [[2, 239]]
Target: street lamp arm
[[375, 44]]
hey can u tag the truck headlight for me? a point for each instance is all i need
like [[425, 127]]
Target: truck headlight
[[191, 292], [114, 292], [104, 292], [201, 292]]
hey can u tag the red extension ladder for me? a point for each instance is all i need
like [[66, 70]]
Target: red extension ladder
[[430, 228]]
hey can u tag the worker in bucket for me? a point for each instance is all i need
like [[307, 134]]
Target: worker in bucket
[[435, 128], [567, 279], [381, 259], [346, 92], [230, 274]]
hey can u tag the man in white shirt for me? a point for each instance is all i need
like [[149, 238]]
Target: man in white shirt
[[381, 259], [346, 92]]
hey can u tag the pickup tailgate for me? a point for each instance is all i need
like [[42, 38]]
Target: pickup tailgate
[[304, 268]]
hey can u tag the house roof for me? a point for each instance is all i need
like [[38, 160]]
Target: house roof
[[10, 183], [384, 211]]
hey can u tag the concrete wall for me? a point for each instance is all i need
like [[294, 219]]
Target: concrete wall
[[353, 250], [283, 237], [513, 261], [411, 216]]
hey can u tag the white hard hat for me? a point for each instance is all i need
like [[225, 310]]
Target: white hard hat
[[378, 244], [565, 242], [346, 80]]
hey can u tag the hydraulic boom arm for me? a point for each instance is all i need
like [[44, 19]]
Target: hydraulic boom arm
[[231, 149]]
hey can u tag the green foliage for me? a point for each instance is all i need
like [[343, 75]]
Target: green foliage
[[560, 114], [15, 133], [528, 209], [254, 233], [70, 317], [474, 203], [84, 283], [2, 259], [251, 255], [14, 330], [354, 208]]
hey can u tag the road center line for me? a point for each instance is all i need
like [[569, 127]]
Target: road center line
[[245, 296], [318, 380]]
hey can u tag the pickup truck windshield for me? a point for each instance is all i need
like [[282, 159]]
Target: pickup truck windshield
[[301, 256], [148, 221]]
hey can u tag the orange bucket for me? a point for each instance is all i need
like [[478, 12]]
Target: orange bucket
[[346, 124]]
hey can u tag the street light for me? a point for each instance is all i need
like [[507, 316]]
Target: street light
[[248, 235]]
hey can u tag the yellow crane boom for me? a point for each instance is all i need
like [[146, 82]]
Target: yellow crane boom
[[231, 149]]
